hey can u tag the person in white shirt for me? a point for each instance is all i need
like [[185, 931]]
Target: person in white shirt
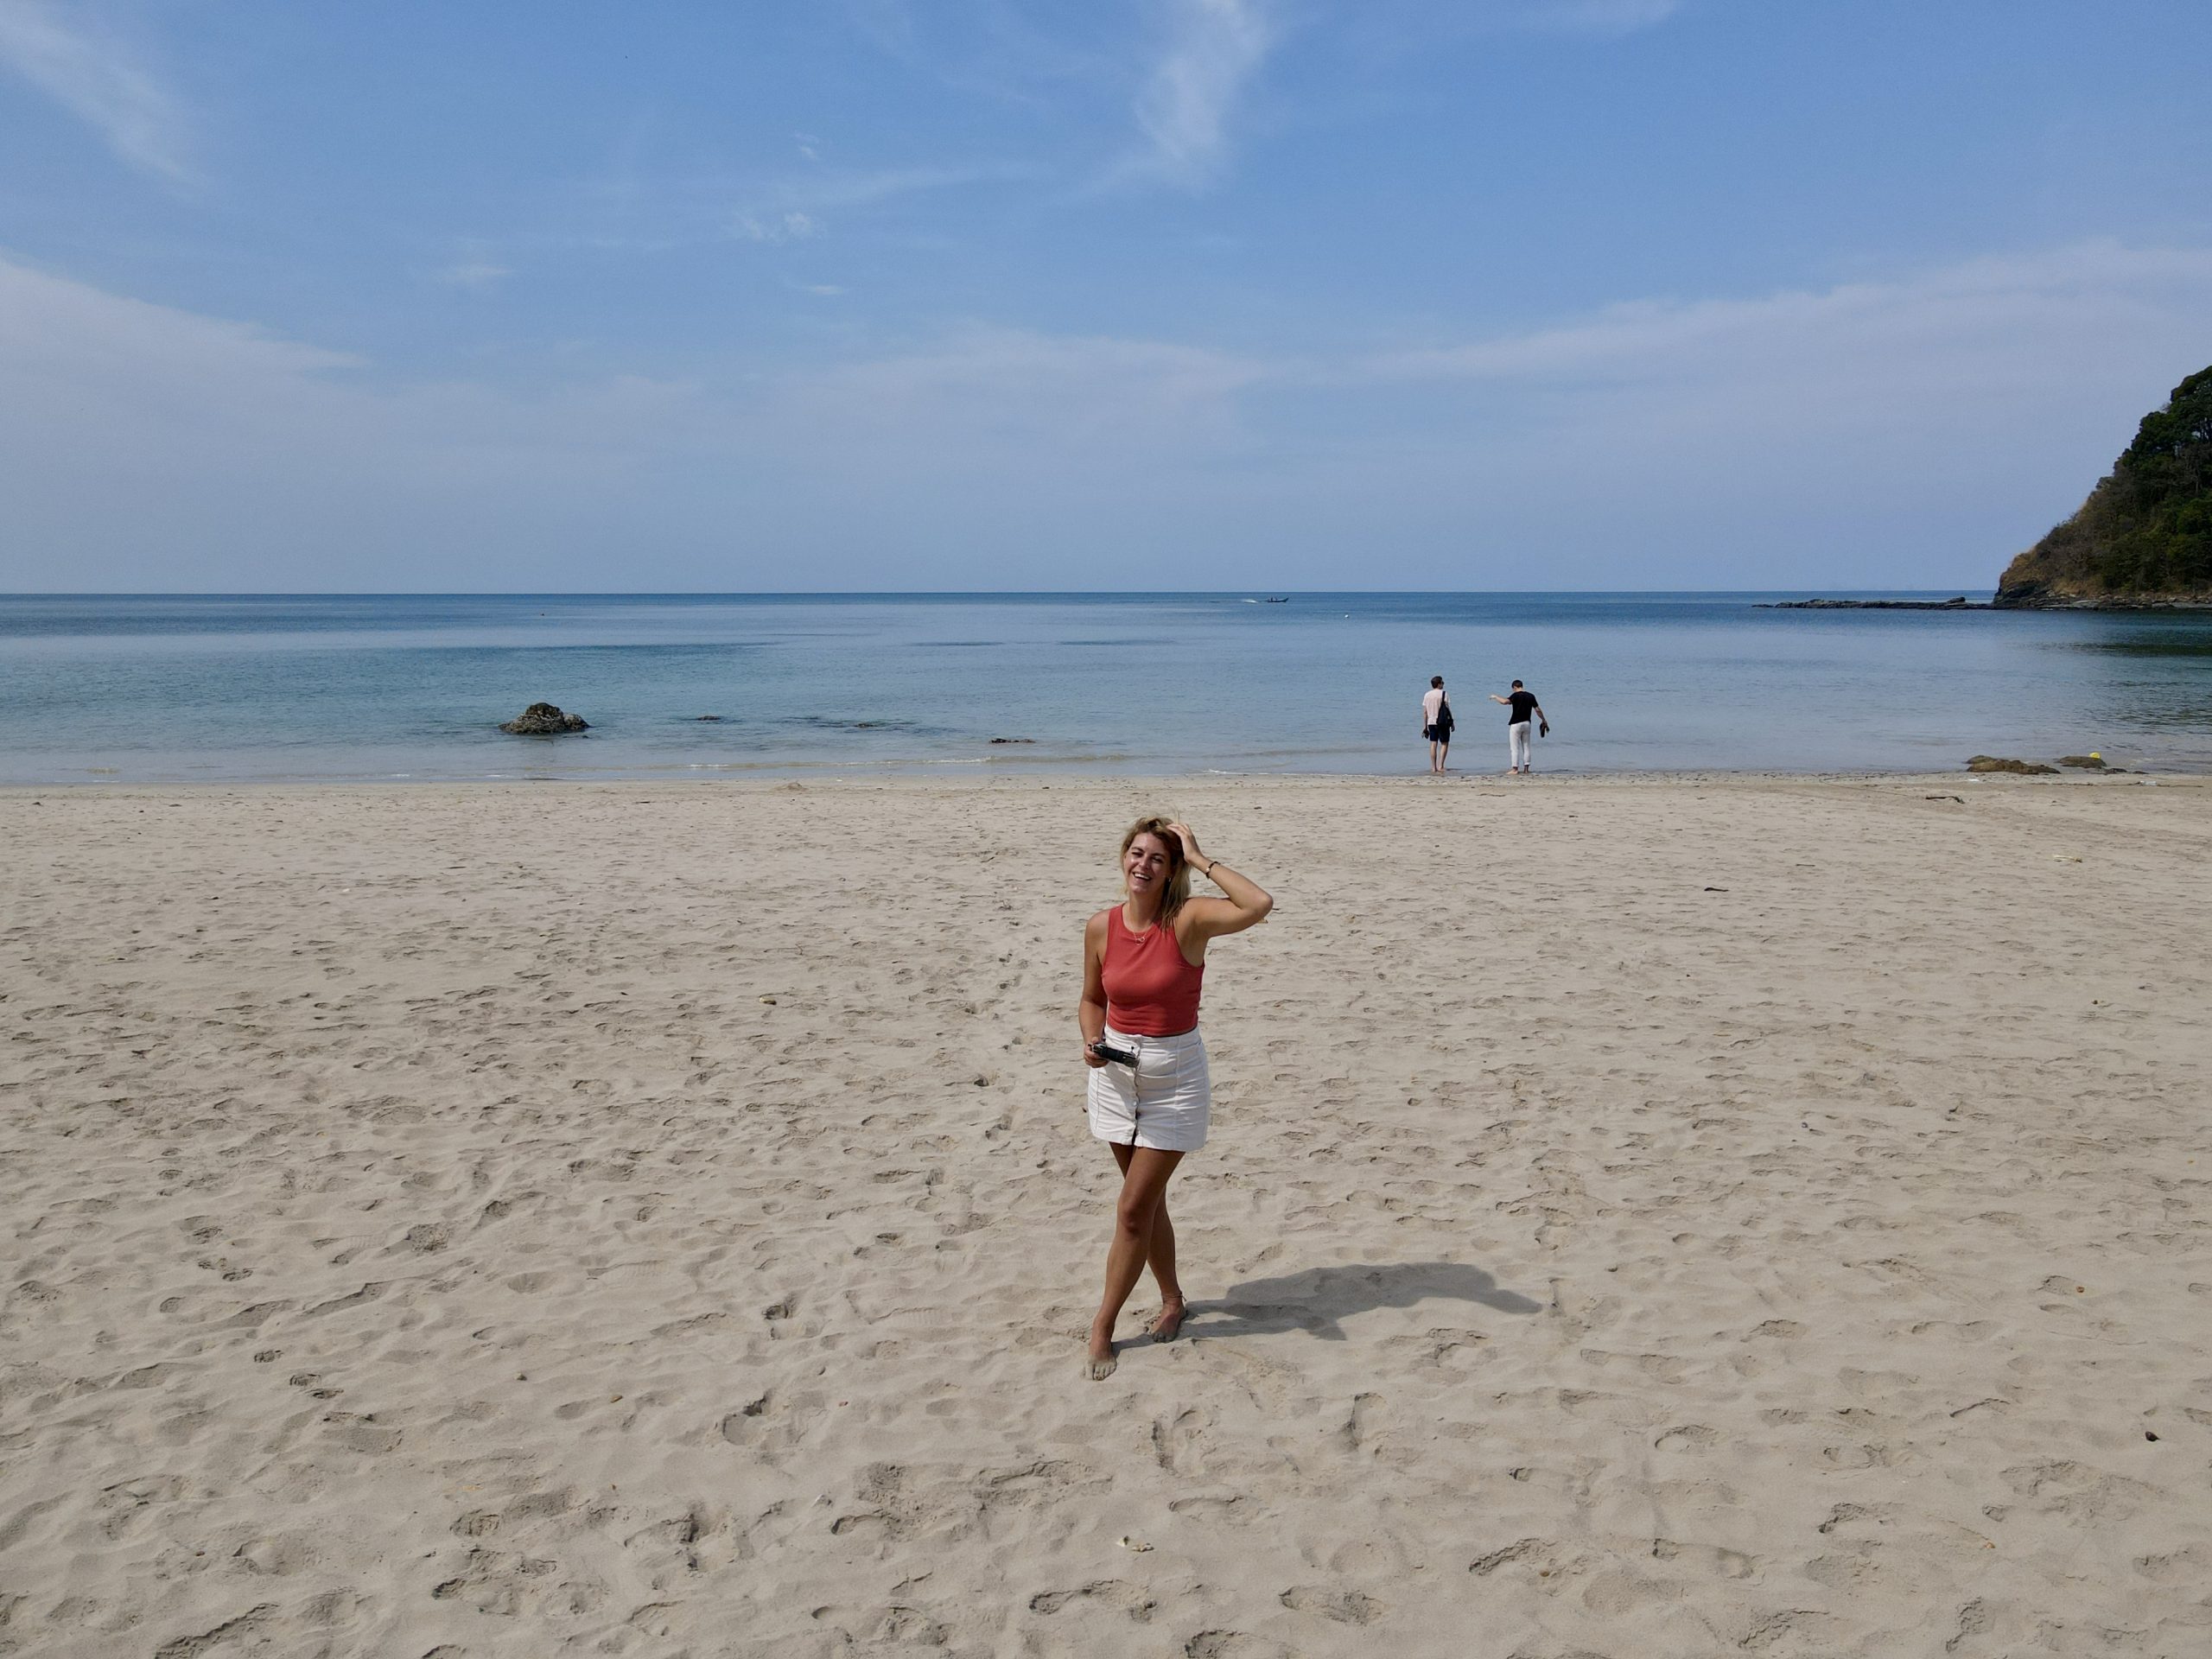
[[1436, 722]]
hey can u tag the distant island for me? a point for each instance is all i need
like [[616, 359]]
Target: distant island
[[2143, 540], [1961, 602]]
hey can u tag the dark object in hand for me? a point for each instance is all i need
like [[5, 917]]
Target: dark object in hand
[[1118, 1056]]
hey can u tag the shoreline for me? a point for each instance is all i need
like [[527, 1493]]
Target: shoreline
[[2112, 777]]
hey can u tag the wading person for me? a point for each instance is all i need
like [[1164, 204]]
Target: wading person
[[1520, 707], [1143, 961], [1436, 722]]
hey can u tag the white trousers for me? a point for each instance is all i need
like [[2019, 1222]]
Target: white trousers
[[1516, 743]]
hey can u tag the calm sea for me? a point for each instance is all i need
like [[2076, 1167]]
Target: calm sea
[[273, 686]]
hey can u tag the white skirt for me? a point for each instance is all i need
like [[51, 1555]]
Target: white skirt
[[1162, 1102]]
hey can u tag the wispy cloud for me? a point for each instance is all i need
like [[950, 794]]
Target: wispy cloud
[[1012, 380], [865, 188], [650, 213], [791, 209], [1858, 435], [477, 275], [1023, 56], [787, 227], [1935, 421], [89, 71], [1214, 47], [1865, 332]]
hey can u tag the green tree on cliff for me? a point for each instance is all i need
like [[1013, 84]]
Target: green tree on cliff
[[2147, 526]]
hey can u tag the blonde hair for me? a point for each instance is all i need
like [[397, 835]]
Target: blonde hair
[[1175, 892]]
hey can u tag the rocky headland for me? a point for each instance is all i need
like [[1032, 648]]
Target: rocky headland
[[2143, 539]]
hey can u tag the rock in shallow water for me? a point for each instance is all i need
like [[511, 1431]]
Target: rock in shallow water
[[1993, 763], [544, 720]]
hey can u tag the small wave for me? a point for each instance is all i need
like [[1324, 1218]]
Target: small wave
[[1060, 757], [850, 723]]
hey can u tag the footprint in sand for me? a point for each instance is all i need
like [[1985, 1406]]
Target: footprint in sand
[[1709, 1560], [1230, 1644], [1108, 1593], [1176, 1442], [1232, 1506], [1537, 1556], [1339, 1606], [1359, 1428]]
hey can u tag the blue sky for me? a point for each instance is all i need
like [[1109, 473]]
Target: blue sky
[[882, 294]]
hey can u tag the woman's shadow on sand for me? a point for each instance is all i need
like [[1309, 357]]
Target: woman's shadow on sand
[[1320, 1298]]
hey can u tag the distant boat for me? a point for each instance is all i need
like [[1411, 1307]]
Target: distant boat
[[1279, 601]]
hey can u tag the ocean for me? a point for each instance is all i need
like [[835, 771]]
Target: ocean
[[273, 686]]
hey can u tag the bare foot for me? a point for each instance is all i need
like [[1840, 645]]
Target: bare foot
[[1100, 1364], [1167, 1324]]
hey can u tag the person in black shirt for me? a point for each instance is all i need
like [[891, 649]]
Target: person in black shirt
[[1520, 707]]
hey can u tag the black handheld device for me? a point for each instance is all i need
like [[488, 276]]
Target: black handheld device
[[1120, 1056]]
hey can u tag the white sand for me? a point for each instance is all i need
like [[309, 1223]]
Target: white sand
[[423, 1236]]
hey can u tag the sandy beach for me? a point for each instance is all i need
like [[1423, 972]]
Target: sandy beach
[[1643, 1219]]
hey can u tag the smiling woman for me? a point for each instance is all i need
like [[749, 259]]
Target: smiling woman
[[1151, 1095]]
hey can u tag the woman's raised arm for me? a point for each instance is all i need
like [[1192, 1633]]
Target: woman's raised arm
[[1244, 903]]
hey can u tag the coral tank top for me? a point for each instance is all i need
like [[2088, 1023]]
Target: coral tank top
[[1151, 991]]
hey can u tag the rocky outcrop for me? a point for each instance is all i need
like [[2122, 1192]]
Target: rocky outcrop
[[1961, 603], [544, 720], [1994, 763], [2143, 540]]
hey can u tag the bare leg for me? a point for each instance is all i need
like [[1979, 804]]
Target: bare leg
[[1159, 1256], [1144, 1186], [1162, 1260]]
